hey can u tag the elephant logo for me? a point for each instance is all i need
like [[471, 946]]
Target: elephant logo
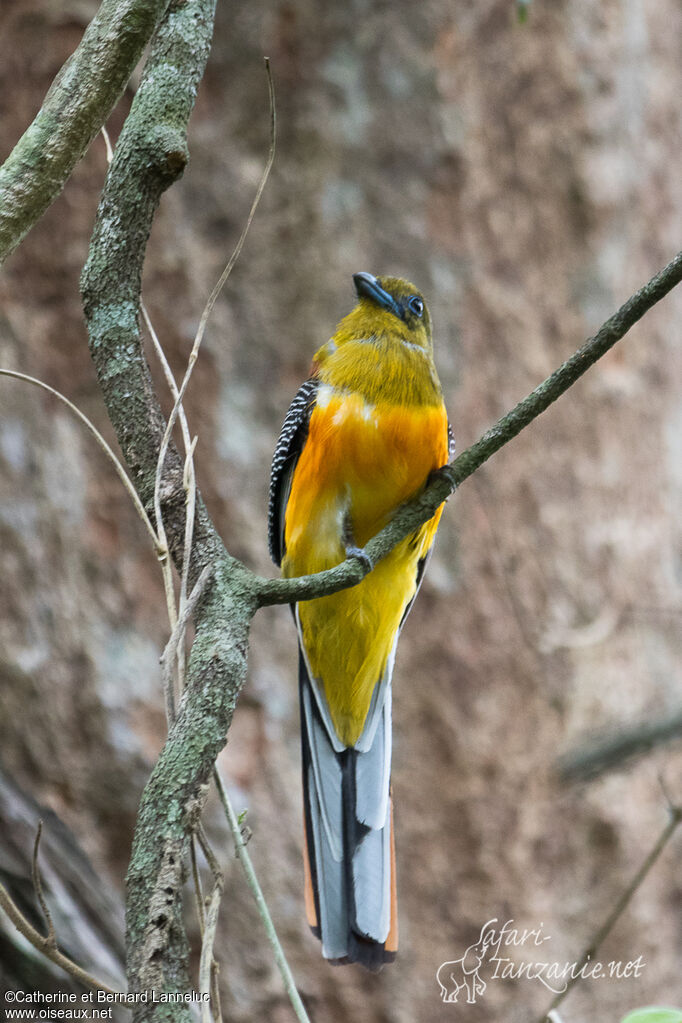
[[463, 973]]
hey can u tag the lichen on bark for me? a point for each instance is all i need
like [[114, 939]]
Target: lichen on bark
[[78, 103]]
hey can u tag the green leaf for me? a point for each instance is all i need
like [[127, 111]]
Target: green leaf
[[654, 1015]]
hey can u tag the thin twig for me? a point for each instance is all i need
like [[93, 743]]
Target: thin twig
[[139, 508], [170, 380], [189, 453], [252, 881], [167, 372], [608, 924], [43, 945], [217, 1005], [666, 794], [175, 648], [196, 878], [608, 752], [207, 937], [167, 571], [206, 961], [107, 144], [166, 663], [213, 864], [176, 637], [51, 937], [189, 486], [208, 308], [174, 653]]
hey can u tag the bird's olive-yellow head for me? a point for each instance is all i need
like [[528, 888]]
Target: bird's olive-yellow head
[[382, 350], [387, 307]]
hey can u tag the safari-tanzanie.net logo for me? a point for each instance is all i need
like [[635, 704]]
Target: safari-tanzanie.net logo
[[496, 956]]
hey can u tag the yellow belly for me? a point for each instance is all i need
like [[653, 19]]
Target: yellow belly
[[357, 466]]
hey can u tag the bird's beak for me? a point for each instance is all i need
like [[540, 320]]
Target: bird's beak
[[368, 286]]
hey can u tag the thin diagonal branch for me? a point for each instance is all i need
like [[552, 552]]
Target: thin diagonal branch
[[445, 481], [46, 946], [208, 308], [257, 892], [78, 103], [611, 751], [120, 471], [177, 637], [166, 568], [174, 653], [607, 926], [51, 937], [206, 961]]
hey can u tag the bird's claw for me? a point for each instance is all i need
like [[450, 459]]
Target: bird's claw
[[360, 555]]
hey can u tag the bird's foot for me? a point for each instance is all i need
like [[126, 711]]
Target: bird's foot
[[360, 555]]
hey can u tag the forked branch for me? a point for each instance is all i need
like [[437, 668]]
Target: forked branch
[[48, 945]]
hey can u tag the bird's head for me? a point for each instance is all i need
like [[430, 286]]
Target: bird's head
[[387, 307]]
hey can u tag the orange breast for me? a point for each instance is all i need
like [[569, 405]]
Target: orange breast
[[359, 463]]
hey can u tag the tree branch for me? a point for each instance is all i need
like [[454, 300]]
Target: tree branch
[[257, 892], [48, 945], [445, 481], [151, 154], [78, 103], [120, 471], [609, 923], [51, 936], [610, 751]]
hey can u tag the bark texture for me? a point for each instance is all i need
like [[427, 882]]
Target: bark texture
[[80, 99], [526, 179]]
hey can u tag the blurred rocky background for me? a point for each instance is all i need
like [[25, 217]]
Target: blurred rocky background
[[527, 178]]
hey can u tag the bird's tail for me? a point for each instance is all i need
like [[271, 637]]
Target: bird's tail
[[350, 883]]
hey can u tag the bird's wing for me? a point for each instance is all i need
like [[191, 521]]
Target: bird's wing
[[421, 568], [451, 441], [289, 446], [423, 562]]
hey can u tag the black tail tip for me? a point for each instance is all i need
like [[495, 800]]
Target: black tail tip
[[372, 955]]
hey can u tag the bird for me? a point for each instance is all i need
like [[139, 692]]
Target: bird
[[361, 437]]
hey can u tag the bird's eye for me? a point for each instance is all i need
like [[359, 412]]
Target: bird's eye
[[415, 305]]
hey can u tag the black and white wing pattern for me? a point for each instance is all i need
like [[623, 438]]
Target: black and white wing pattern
[[423, 562], [289, 446]]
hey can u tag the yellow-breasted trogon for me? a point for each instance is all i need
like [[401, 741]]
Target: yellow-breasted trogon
[[361, 437]]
